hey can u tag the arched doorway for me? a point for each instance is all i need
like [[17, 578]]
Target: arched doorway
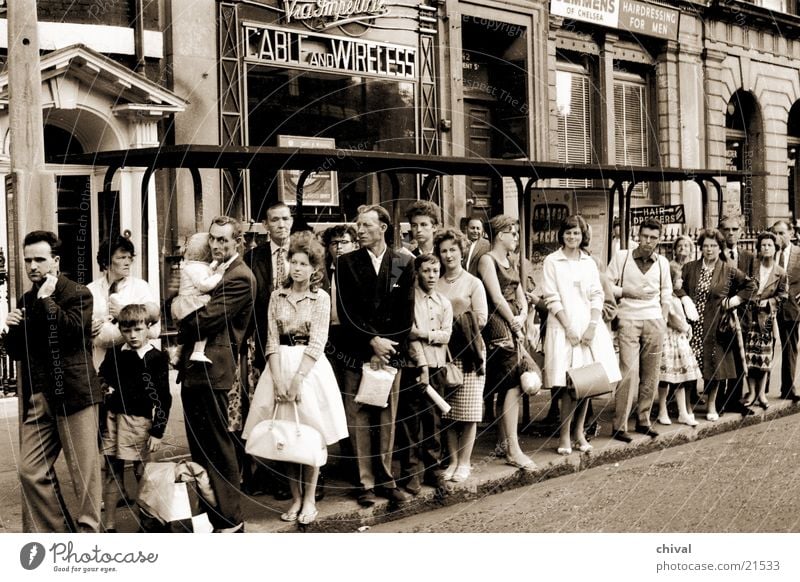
[[745, 152], [793, 154]]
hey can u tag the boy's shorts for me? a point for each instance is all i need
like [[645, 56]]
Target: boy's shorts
[[126, 436]]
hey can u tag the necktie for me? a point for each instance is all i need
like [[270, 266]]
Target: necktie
[[730, 254], [334, 312], [785, 258], [280, 267]]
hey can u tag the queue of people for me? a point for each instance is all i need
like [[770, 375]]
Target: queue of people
[[296, 329]]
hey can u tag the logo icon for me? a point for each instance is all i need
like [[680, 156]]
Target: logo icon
[[31, 555]]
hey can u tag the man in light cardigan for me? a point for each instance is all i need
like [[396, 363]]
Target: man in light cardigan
[[642, 286]]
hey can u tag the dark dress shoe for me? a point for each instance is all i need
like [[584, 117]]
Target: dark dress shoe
[[319, 492], [621, 435], [794, 398], [413, 486], [646, 430], [395, 495], [281, 493], [367, 498], [740, 409]]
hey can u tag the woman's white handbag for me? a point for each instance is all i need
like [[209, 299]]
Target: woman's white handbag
[[375, 386], [287, 441]]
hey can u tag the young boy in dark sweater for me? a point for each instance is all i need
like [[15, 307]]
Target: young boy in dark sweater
[[138, 400]]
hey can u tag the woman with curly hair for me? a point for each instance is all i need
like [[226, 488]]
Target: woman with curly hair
[[298, 373]]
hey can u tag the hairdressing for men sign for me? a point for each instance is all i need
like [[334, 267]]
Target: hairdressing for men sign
[[631, 15]]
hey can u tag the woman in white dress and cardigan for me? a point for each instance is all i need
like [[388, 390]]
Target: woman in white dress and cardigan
[[575, 332], [298, 373]]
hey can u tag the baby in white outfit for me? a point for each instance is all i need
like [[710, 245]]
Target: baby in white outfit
[[198, 278]]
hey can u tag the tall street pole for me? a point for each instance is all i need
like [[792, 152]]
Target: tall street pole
[[30, 191]]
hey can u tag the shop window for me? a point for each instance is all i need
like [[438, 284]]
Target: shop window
[[631, 125], [573, 100], [361, 113]]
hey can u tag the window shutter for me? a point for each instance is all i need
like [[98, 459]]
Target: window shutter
[[574, 122], [631, 126]]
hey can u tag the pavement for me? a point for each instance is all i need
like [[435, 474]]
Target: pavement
[[339, 511]]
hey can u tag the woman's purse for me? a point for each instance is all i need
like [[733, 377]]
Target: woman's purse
[[375, 385], [453, 378], [587, 381], [287, 441]]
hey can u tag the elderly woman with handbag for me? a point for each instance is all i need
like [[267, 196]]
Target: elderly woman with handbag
[[470, 311], [575, 335], [758, 323], [298, 384], [508, 313], [716, 288]]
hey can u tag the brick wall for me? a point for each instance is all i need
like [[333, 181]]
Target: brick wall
[[108, 12]]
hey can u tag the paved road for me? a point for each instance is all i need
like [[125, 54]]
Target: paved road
[[744, 481]]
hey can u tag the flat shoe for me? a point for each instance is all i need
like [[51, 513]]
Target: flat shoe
[[583, 448], [712, 417], [289, 516], [564, 451], [461, 474], [449, 473], [665, 421], [527, 466], [308, 518], [689, 421]]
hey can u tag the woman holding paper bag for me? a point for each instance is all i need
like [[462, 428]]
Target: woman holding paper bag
[[575, 332], [298, 372]]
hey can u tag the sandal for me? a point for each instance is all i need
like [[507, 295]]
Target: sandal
[[461, 474], [308, 518], [449, 473], [528, 465], [290, 516]]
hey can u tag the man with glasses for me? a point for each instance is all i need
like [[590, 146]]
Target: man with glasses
[[339, 240], [789, 313], [729, 400], [643, 287]]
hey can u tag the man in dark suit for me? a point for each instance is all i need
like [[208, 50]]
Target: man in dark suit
[[222, 323], [789, 313], [729, 399], [478, 245], [50, 332], [270, 265], [375, 302]]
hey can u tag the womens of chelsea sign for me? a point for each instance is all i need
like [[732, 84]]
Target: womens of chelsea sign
[[274, 46]]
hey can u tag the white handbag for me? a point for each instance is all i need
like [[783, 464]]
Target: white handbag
[[375, 385], [287, 441]]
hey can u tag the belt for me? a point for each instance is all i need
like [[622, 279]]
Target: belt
[[293, 340]]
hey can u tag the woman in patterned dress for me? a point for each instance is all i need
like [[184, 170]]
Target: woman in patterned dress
[[678, 364], [470, 310], [298, 373], [714, 286], [758, 322]]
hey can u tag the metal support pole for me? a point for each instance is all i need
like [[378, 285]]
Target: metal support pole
[[197, 184]]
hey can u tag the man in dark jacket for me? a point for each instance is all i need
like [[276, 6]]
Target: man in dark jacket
[[375, 303], [222, 323], [50, 333]]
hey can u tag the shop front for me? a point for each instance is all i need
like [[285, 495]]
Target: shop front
[[321, 75]]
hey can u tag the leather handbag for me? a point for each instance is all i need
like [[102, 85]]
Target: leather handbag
[[587, 381], [453, 378], [375, 385], [287, 441]]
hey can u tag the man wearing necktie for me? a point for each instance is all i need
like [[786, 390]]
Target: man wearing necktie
[[478, 245], [339, 240], [730, 398], [789, 311], [269, 264]]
